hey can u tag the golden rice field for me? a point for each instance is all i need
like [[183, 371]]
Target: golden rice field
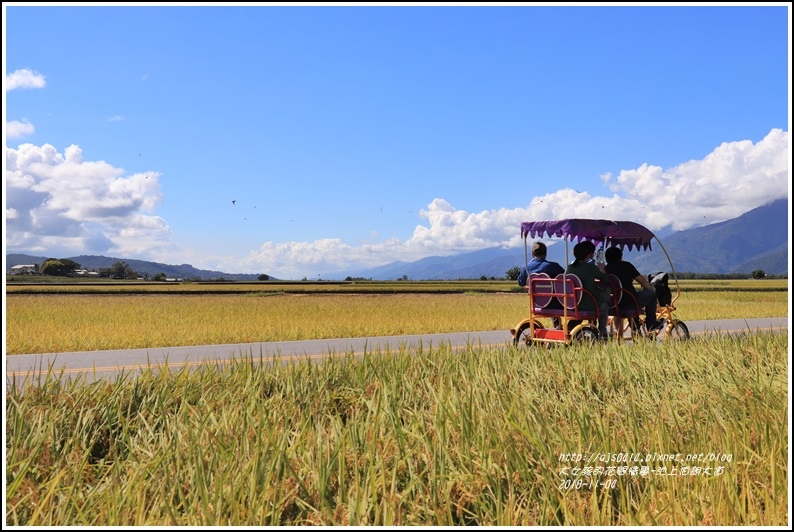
[[684, 434], [58, 285], [60, 322]]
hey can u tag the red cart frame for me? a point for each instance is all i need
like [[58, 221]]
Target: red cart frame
[[576, 324]]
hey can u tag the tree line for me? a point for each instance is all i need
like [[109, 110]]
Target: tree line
[[118, 270], [512, 275], [122, 270]]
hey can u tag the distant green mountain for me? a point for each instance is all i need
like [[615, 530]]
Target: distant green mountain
[[770, 262], [142, 267], [756, 240]]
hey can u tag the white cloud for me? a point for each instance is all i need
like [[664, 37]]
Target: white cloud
[[61, 202], [15, 129], [734, 178], [24, 79]]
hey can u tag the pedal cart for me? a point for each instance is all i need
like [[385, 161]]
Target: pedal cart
[[558, 300]]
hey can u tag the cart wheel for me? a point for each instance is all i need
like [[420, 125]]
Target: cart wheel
[[678, 331], [522, 337], [587, 334]]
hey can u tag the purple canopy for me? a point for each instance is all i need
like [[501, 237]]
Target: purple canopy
[[615, 233]]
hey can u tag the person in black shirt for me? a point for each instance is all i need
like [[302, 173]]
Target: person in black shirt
[[627, 273]]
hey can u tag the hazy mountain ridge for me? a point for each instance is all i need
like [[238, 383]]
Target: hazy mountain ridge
[[756, 240], [142, 267]]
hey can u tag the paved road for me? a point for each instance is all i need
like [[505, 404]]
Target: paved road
[[91, 365]]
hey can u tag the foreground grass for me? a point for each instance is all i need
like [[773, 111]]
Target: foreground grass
[[63, 322], [475, 437]]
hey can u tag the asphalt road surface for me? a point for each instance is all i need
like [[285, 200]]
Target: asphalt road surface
[[22, 370]]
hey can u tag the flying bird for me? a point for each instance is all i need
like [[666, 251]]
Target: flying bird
[[234, 202]]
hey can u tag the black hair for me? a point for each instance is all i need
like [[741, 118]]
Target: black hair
[[582, 250], [613, 254]]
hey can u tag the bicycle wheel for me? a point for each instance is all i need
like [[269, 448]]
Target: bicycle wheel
[[587, 334], [523, 337], [678, 331]]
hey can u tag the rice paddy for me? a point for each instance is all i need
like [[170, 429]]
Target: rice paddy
[[54, 323], [683, 434]]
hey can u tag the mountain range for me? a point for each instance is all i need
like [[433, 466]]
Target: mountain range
[[756, 240]]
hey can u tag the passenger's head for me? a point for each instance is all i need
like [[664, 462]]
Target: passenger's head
[[613, 254], [539, 250], [583, 250], [589, 246]]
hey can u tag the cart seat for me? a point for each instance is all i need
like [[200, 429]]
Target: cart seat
[[624, 304], [571, 286], [541, 288]]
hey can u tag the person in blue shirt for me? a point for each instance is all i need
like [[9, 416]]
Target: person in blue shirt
[[539, 264]]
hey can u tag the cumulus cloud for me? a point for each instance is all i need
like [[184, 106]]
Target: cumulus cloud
[[734, 178], [24, 79], [58, 201], [16, 129]]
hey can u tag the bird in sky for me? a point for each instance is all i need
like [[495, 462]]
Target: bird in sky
[[234, 202]]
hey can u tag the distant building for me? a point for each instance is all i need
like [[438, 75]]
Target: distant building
[[24, 269], [86, 273]]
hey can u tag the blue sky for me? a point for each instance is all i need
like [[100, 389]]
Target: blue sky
[[305, 141]]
